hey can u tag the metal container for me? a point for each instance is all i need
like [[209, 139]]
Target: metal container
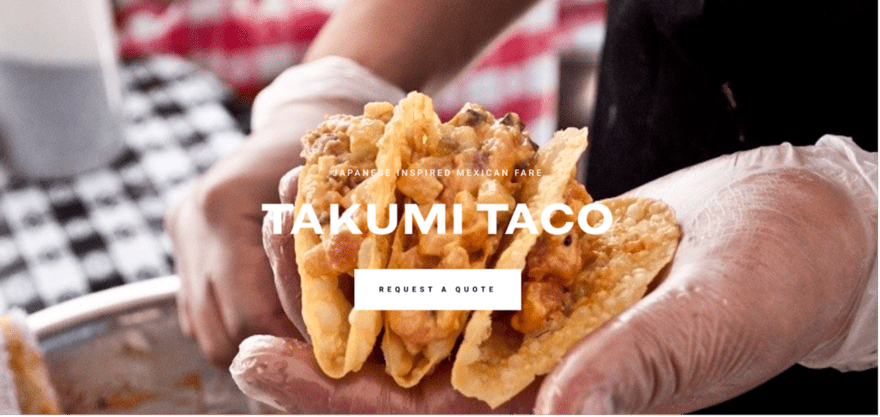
[[121, 351]]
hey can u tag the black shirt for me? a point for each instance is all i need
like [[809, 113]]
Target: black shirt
[[682, 82], [685, 81]]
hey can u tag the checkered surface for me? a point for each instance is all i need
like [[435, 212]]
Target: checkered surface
[[247, 43], [64, 238]]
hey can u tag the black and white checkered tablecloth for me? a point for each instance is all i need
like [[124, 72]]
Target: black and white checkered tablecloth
[[63, 238]]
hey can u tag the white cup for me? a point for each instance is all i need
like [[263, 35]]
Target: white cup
[[59, 87]]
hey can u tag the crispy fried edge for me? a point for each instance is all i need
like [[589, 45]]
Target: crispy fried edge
[[407, 368], [557, 161], [474, 375], [34, 389], [343, 345]]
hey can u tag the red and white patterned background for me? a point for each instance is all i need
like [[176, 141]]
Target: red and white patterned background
[[248, 42]]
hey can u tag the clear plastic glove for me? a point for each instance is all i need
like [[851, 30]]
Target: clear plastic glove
[[226, 284], [777, 266], [227, 290], [283, 372]]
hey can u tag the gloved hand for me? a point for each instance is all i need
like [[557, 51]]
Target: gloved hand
[[227, 290], [777, 265], [283, 371]]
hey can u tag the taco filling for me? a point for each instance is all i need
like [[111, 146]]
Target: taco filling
[[343, 338], [397, 157], [572, 284], [471, 159]]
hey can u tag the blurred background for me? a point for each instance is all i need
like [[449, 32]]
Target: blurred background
[[111, 110], [168, 86], [188, 72]]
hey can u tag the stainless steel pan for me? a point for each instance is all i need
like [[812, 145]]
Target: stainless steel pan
[[120, 351]]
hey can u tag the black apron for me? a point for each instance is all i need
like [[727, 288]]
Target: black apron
[[681, 82]]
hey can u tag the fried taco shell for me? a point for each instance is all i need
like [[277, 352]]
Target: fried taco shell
[[472, 159], [343, 338], [572, 284]]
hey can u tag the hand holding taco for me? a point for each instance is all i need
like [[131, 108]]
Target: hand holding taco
[[571, 283]]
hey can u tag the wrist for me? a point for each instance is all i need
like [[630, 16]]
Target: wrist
[[239, 183], [296, 102], [330, 85]]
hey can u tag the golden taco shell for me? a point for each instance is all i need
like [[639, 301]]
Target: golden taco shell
[[472, 159], [501, 355], [342, 338], [572, 283]]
